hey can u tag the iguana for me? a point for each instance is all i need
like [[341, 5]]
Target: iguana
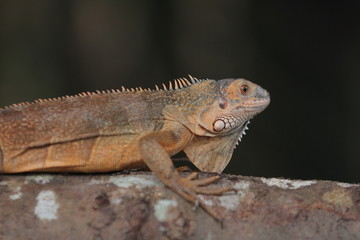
[[127, 128]]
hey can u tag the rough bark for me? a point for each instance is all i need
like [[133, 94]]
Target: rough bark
[[138, 206]]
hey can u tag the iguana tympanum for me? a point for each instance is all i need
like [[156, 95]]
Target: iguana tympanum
[[124, 129]]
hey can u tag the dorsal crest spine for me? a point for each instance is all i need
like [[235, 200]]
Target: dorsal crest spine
[[177, 83]]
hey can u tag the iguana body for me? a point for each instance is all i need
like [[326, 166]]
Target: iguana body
[[124, 129]]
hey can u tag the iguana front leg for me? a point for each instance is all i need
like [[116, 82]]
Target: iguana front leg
[[154, 149]]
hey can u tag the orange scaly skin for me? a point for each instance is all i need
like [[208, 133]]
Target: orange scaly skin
[[124, 129]]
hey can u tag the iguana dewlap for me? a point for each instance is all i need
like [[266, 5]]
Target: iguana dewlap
[[123, 129]]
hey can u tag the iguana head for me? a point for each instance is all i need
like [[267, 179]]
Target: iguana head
[[228, 110], [221, 118]]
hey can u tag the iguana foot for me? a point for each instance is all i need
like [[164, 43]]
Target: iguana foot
[[200, 186], [188, 188], [183, 169]]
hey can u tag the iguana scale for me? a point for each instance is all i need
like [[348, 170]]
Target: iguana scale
[[127, 128]]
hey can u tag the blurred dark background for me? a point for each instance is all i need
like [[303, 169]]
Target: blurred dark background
[[305, 53]]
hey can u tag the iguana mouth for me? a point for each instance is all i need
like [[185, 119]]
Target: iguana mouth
[[256, 105]]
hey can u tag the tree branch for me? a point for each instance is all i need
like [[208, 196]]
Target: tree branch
[[138, 206]]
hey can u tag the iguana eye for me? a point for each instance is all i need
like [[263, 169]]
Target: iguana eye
[[219, 125], [244, 88]]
